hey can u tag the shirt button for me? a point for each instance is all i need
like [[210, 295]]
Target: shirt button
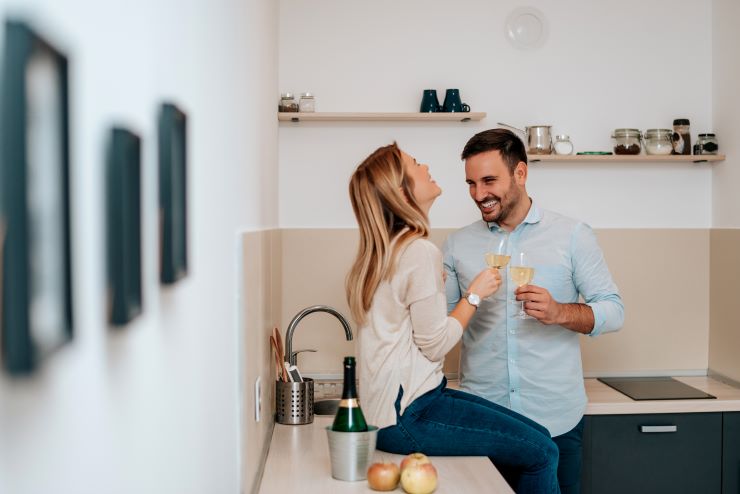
[[513, 390], [512, 331], [511, 361]]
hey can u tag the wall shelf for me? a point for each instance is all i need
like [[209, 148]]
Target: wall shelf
[[380, 117], [635, 158]]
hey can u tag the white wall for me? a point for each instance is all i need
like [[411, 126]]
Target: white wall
[[152, 407], [605, 65], [726, 104]]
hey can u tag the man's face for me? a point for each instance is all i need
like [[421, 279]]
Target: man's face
[[493, 189]]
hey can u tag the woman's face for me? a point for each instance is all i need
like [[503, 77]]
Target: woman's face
[[425, 190]]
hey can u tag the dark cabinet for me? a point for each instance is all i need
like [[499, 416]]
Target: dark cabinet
[[731, 453], [655, 453]]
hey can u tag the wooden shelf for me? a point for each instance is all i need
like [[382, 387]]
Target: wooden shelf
[[634, 158], [380, 117]]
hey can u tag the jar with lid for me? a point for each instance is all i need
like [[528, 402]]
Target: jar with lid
[[706, 144], [681, 136], [626, 141], [307, 103], [658, 141], [288, 103], [563, 145]]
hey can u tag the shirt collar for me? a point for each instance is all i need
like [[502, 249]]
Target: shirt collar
[[534, 215]]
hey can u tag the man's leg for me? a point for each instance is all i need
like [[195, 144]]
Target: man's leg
[[571, 454]]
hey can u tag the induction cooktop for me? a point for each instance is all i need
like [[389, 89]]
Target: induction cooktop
[[654, 388]]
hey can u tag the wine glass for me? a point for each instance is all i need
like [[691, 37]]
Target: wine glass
[[521, 273], [498, 257]]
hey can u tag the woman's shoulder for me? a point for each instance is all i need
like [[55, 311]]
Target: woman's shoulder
[[420, 250]]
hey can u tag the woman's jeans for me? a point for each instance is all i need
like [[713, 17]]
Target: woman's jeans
[[447, 422]]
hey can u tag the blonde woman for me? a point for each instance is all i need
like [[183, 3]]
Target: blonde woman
[[395, 291]]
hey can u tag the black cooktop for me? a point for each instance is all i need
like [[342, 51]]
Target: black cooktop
[[654, 388]]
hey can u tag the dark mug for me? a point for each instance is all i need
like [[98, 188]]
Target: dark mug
[[429, 101], [453, 103]]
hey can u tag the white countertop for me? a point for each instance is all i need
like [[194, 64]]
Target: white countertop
[[604, 400], [298, 462]]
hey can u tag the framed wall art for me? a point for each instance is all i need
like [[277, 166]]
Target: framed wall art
[[173, 193], [34, 200], [123, 214]]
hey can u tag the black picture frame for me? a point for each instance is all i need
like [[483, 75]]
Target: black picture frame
[[123, 231], [34, 200], [173, 211]]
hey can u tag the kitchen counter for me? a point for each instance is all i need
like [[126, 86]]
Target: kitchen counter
[[604, 400], [298, 461]]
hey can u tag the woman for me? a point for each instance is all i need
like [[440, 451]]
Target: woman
[[396, 294]]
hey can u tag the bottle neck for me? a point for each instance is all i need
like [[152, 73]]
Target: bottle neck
[[349, 390]]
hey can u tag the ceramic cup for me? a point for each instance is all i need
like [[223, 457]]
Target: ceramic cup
[[453, 103], [429, 101]]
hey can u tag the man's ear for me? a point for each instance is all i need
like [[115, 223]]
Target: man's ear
[[520, 173]]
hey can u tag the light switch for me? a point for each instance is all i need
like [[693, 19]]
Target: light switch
[[257, 398]]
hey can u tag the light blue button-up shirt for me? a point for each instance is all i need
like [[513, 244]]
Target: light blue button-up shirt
[[532, 368]]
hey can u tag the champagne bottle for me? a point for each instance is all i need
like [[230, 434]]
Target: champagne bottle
[[349, 417]]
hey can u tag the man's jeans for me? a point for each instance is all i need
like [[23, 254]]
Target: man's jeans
[[447, 422]]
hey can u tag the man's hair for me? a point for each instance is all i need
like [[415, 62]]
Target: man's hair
[[504, 141]]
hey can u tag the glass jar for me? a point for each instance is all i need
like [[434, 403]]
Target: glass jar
[[307, 103], [563, 145], [707, 144], [287, 103], [681, 136], [658, 141], [626, 141]]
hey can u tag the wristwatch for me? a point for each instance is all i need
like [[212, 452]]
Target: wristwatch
[[473, 299]]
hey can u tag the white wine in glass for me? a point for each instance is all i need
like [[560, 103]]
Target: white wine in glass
[[498, 258], [522, 275]]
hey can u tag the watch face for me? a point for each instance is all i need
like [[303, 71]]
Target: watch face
[[474, 299]]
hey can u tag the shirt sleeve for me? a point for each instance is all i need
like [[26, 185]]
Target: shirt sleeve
[[452, 284], [594, 281], [434, 333]]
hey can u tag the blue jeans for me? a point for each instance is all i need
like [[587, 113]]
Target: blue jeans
[[571, 454], [447, 422]]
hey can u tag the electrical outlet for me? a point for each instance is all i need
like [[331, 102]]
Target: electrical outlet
[[257, 399]]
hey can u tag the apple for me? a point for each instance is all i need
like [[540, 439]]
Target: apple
[[420, 478], [414, 459], [383, 476]]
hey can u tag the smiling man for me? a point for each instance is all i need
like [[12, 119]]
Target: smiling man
[[532, 365]]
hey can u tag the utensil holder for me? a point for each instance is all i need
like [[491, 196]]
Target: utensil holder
[[351, 453], [294, 402]]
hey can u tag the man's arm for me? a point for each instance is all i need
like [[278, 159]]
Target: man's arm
[[452, 285], [603, 310]]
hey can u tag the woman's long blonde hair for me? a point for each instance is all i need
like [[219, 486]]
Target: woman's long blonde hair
[[388, 217]]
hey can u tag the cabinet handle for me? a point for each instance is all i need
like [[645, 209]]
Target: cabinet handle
[[658, 428]]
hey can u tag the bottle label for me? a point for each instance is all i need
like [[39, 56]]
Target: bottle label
[[349, 403]]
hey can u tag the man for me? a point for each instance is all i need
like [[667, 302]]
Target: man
[[533, 365]]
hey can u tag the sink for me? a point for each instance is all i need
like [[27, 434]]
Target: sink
[[325, 407]]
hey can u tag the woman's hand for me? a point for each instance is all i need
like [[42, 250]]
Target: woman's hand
[[486, 283]]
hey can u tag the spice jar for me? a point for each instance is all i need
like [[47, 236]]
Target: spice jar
[[706, 144], [626, 141], [658, 141], [563, 144], [307, 105], [681, 136], [287, 103]]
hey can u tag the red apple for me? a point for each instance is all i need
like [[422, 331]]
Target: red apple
[[419, 479], [414, 459], [383, 476]]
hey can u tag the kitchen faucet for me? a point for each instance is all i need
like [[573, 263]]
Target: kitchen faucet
[[290, 355]]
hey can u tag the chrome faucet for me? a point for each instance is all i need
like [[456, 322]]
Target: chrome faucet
[[290, 355]]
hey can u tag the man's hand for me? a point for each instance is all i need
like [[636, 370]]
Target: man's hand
[[539, 304]]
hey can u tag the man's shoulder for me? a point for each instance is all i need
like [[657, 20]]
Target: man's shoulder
[[558, 219]]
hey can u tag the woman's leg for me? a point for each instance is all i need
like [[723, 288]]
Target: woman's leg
[[446, 423]]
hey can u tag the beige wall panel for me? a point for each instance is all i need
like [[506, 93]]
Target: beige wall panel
[[663, 278], [260, 308], [724, 336], [667, 303]]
